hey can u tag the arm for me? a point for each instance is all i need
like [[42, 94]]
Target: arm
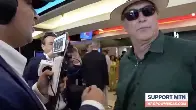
[[105, 71], [108, 62], [91, 105], [117, 105], [88, 107], [44, 99]]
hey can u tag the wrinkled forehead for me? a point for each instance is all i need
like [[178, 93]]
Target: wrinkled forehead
[[138, 5]]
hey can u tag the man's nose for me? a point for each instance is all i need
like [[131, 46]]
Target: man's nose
[[141, 17], [36, 17]]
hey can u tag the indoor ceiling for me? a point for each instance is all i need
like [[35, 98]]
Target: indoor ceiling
[[79, 16]]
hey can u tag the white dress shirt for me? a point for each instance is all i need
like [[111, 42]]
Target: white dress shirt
[[11, 56], [47, 57]]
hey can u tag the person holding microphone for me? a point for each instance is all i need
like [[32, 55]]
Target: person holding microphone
[[16, 27]]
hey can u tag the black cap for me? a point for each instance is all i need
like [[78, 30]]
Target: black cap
[[40, 3]]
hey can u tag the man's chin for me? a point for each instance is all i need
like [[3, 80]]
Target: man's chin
[[144, 37]]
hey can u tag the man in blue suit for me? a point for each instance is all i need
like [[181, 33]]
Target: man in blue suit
[[16, 21], [31, 70]]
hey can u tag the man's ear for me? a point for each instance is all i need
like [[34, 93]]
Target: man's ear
[[43, 46]]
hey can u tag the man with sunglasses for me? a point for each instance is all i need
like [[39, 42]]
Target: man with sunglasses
[[156, 63], [17, 19]]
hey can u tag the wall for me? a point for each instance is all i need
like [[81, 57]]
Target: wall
[[112, 50], [123, 48], [117, 51]]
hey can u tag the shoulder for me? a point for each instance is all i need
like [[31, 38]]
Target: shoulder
[[10, 87], [88, 107], [179, 41], [125, 58], [180, 45], [36, 60]]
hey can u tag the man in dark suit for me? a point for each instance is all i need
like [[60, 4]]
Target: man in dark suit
[[16, 21], [94, 68], [31, 70]]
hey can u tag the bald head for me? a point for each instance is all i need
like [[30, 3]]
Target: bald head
[[95, 45]]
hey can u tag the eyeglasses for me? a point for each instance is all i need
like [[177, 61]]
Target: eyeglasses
[[133, 14]]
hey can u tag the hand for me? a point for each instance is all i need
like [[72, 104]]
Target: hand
[[43, 82], [63, 85], [93, 93]]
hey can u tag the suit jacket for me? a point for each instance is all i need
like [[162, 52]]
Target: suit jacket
[[15, 93], [94, 69], [74, 91], [31, 70]]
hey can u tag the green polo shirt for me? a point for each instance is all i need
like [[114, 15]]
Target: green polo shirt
[[168, 67]]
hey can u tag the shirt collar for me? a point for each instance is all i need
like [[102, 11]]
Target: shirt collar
[[47, 57], [13, 58], [157, 45]]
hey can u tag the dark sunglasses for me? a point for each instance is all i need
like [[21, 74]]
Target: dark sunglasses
[[133, 14]]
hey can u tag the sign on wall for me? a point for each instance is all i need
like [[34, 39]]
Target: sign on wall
[[176, 35]]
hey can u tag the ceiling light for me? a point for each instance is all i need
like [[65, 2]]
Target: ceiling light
[[92, 10], [193, 14], [36, 33], [100, 29]]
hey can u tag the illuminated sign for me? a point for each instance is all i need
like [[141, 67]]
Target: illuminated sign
[[49, 5]]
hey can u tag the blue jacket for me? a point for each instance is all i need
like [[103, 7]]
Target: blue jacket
[[15, 93], [31, 70]]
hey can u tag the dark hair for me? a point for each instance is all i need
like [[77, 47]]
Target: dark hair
[[123, 12], [114, 57], [106, 51], [123, 52], [46, 35]]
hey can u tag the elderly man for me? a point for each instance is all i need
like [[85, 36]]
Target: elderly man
[[157, 63]]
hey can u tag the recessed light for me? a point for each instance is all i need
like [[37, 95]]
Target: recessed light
[[100, 29]]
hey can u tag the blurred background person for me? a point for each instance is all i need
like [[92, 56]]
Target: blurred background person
[[94, 67], [113, 59], [113, 73], [105, 52], [89, 48], [74, 83], [31, 70]]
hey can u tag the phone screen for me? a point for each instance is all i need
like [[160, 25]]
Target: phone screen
[[60, 44]]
